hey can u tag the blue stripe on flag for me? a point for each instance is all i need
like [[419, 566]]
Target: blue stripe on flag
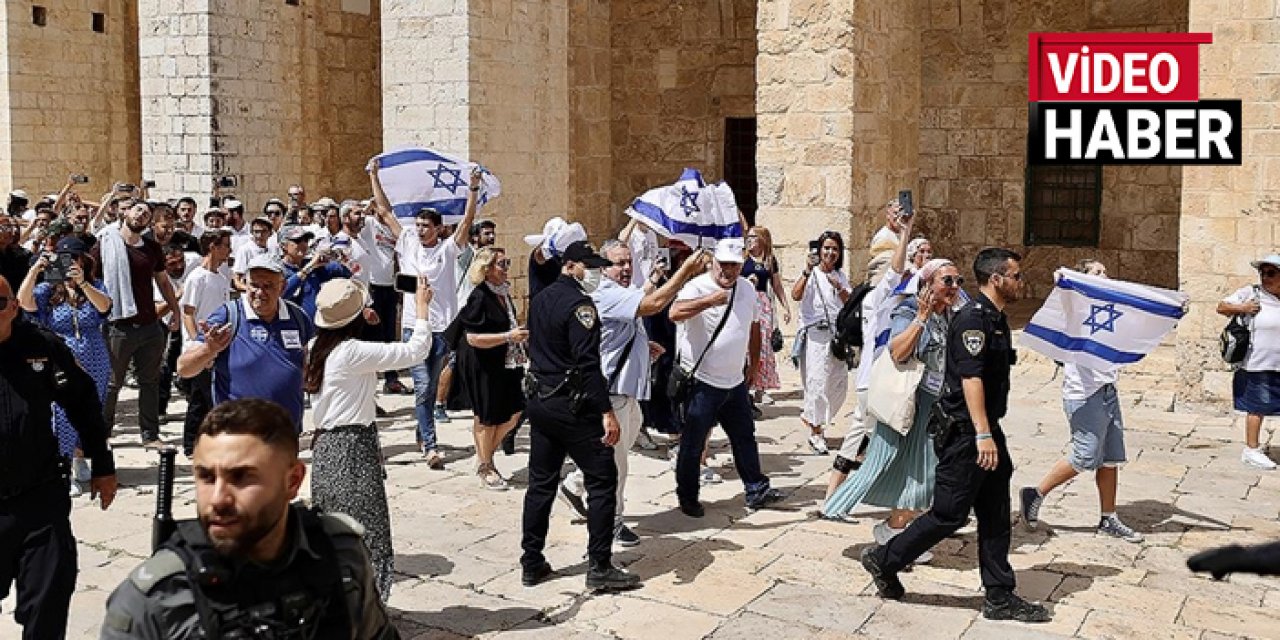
[[456, 207], [692, 174], [1082, 345], [882, 338], [1118, 297], [712, 231], [408, 156]]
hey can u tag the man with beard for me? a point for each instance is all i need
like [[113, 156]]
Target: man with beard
[[165, 230], [129, 264], [251, 560]]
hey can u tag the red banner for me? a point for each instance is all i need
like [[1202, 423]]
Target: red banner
[[1114, 67]]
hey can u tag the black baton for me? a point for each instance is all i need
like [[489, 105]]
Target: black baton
[[163, 525]]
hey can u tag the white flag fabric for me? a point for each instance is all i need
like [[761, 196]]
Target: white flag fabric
[[1101, 323], [417, 178], [690, 211]]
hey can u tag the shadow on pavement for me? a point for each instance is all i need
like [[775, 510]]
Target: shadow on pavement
[[461, 620], [418, 566]]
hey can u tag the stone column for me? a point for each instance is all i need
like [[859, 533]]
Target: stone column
[[837, 104], [1228, 213], [590, 113], [268, 92]]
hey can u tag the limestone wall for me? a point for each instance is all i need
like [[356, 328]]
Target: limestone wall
[[1229, 214], [70, 100], [590, 111], [678, 70], [270, 93], [424, 83], [973, 140], [805, 121]]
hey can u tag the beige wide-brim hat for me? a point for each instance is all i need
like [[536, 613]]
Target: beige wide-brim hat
[[339, 302]]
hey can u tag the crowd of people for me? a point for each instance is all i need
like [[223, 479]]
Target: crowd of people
[[309, 305]]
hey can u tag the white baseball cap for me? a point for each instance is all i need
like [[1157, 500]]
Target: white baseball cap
[[551, 226], [730, 250]]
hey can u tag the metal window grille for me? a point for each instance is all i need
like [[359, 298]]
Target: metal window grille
[[1063, 205]]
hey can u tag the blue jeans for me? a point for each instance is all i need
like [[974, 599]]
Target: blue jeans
[[732, 409], [426, 378]]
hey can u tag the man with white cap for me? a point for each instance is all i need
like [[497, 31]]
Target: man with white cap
[[256, 344], [235, 221], [713, 315], [423, 252], [548, 247]]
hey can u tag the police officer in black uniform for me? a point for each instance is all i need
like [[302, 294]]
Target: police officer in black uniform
[[37, 548], [570, 413], [974, 467], [252, 565]]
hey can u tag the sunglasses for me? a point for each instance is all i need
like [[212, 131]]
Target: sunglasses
[[953, 281], [1268, 273], [503, 263], [275, 214]]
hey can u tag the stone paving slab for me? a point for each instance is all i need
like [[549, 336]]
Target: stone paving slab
[[784, 574]]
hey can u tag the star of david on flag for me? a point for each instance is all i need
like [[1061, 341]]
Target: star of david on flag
[[415, 178], [690, 210], [1101, 323]]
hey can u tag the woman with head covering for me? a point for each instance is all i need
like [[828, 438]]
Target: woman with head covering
[[73, 307], [898, 470], [341, 373]]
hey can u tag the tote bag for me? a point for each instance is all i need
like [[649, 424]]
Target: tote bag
[[891, 399]]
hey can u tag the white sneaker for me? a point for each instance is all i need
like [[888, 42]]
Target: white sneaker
[[765, 398], [1256, 458], [883, 533], [80, 470], [709, 476], [818, 442]]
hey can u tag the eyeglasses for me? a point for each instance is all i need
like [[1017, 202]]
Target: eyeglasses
[[1013, 276], [1268, 273], [503, 263], [953, 281], [275, 214]]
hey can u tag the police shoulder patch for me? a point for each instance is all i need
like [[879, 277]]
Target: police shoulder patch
[[163, 564], [586, 314], [339, 524], [973, 341]]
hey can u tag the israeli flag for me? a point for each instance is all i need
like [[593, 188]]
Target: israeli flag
[[690, 211], [1101, 323], [417, 178]]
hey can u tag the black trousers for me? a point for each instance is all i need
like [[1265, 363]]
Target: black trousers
[[169, 368], [199, 402], [38, 550], [554, 433], [961, 485]]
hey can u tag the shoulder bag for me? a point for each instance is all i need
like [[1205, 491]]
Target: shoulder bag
[[681, 381], [891, 399], [1234, 341]]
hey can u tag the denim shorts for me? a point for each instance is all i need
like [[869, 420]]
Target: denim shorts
[[1097, 430]]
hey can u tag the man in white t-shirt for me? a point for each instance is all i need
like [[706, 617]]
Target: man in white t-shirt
[[261, 231], [886, 239], [718, 390], [422, 252], [626, 356], [205, 289], [1097, 439]]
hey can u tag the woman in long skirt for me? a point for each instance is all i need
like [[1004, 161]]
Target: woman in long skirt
[[342, 374], [761, 270], [898, 470]]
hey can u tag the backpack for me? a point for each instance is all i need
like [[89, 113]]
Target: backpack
[[848, 329]]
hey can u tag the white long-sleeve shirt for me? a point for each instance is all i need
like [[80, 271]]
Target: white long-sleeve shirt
[[351, 376]]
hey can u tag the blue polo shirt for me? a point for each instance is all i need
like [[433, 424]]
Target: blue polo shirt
[[303, 291], [264, 359]]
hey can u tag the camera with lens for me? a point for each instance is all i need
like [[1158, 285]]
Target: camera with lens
[[59, 265]]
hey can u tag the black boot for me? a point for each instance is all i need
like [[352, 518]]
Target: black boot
[[603, 576], [1009, 606], [531, 576]]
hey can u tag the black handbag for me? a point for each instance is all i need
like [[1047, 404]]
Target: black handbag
[[1234, 341], [681, 381], [775, 340]]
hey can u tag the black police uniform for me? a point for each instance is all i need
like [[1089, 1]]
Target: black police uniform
[[978, 346], [37, 547], [566, 412]]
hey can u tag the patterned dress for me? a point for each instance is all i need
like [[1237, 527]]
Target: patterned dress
[[767, 373], [81, 328]]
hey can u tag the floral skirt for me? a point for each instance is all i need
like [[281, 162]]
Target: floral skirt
[[767, 373]]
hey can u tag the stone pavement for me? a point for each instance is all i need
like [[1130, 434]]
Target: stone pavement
[[783, 574]]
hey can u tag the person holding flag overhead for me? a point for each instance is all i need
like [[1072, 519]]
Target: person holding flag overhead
[[422, 252], [1097, 438]]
